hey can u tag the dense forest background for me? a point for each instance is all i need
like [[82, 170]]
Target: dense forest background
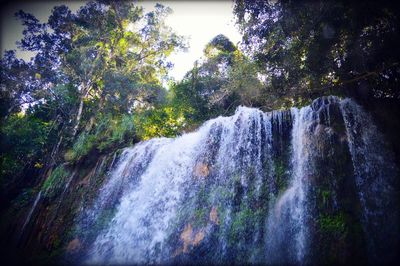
[[97, 82]]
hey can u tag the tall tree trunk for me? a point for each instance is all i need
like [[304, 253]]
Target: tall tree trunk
[[84, 93], [78, 117]]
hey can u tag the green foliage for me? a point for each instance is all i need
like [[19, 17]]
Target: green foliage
[[81, 147], [95, 86], [307, 49], [219, 44], [223, 81], [9, 166], [24, 140], [111, 132], [25, 133], [110, 69], [187, 100], [119, 67], [13, 72], [123, 126], [243, 81], [55, 182], [159, 122]]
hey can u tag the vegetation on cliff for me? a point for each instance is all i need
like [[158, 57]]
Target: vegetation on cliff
[[98, 82]]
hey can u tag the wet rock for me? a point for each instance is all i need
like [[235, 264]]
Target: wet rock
[[201, 170], [214, 215], [74, 246]]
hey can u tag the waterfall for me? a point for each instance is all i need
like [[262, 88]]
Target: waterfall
[[30, 213], [241, 189], [375, 176], [286, 224]]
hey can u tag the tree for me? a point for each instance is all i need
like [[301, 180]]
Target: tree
[[93, 75], [193, 95], [308, 49], [106, 51], [225, 79], [13, 92]]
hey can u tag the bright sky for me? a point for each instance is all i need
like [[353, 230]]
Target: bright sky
[[200, 21]]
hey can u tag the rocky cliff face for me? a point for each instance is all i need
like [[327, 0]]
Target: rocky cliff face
[[312, 185]]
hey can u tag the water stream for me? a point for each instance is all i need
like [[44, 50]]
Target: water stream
[[239, 189]]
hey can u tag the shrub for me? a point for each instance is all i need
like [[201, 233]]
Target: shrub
[[83, 145], [55, 182], [120, 128]]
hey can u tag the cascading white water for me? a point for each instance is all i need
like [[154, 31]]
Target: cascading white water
[[146, 208], [141, 223], [236, 190], [375, 176], [286, 223], [29, 216]]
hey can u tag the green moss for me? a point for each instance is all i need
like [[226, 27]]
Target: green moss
[[243, 222], [333, 223], [280, 174], [202, 196], [238, 225], [221, 194], [200, 217], [324, 196], [222, 213]]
